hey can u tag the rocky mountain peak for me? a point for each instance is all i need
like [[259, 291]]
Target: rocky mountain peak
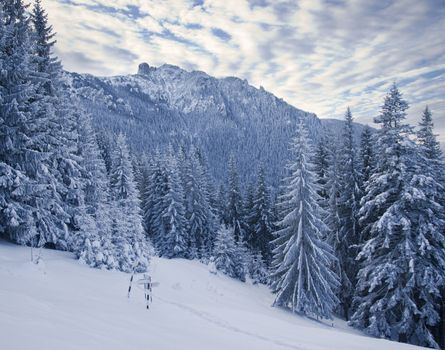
[[144, 68]]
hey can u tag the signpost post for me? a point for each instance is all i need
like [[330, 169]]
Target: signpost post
[[146, 283]]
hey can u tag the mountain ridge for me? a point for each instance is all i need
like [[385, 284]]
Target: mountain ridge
[[223, 116]]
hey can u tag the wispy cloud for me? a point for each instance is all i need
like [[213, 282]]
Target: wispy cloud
[[319, 55]]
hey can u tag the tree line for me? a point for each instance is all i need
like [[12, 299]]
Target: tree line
[[361, 229], [54, 187]]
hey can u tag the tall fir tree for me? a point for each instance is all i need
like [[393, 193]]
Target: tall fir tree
[[249, 216], [209, 188], [69, 170], [303, 277], [46, 63], [366, 156], [16, 93], [403, 262], [333, 185], [427, 138], [199, 214], [258, 269], [94, 244], [234, 209], [60, 134], [433, 165], [348, 207], [321, 162], [155, 189], [138, 163], [105, 142], [262, 219], [220, 207], [227, 255], [128, 235], [30, 205], [173, 239], [144, 180]]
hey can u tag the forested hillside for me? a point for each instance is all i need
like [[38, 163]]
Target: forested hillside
[[223, 117]]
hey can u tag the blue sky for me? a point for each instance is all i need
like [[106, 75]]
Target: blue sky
[[319, 55]]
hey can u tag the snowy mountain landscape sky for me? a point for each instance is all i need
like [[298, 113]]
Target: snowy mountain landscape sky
[[319, 55], [197, 201]]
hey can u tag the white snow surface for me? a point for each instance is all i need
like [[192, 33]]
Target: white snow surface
[[61, 304]]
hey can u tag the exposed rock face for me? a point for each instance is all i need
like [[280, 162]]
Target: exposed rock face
[[143, 68]]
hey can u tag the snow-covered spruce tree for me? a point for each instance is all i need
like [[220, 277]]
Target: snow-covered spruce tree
[[105, 141], [30, 207], [155, 189], [184, 172], [262, 219], [259, 272], [68, 169], [209, 191], [321, 162], [145, 167], [234, 208], [434, 166], [143, 180], [199, 214], [431, 151], [366, 156], [220, 208], [132, 247], [94, 244], [348, 207], [303, 278], [427, 138], [188, 183], [403, 261], [333, 184], [226, 254], [249, 220], [61, 132], [17, 220], [46, 63], [181, 157], [333, 237], [137, 162], [173, 240]]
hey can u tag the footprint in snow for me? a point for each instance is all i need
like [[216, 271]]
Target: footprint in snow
[[176, 286]]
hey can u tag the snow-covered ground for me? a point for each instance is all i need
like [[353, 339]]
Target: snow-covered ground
[[61, 304]]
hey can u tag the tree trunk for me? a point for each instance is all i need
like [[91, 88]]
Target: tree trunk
[[346, 311]]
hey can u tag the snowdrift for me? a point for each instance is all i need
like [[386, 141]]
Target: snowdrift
[[61, 304]]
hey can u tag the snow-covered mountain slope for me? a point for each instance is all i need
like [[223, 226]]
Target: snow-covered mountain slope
[[60, 304], [166, 104]]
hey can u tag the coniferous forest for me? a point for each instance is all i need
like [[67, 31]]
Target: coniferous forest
[[355, 229]]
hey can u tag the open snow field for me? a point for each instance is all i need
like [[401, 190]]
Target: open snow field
[[61, 304]]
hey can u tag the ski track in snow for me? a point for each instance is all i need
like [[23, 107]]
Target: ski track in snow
[[209, 318]]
